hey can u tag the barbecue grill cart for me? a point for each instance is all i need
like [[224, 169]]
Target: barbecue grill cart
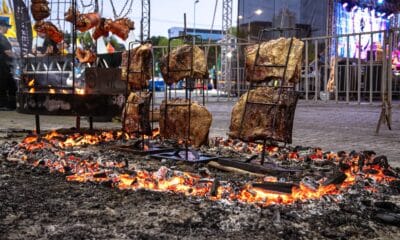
[[57, 84], [280, 111]]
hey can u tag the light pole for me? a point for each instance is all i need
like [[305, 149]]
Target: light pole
[[257, 12], [194, 20]]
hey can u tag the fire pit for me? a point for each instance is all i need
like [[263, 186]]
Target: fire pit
[[46, 87], [296, 186]]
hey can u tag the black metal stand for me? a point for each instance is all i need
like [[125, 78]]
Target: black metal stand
[[280, 88], [186, 153], [37, 121], [144, 146]]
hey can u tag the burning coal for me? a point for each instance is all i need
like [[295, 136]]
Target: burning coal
[[351, 168]]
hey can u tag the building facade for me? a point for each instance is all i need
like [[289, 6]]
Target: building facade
[[308, 15]]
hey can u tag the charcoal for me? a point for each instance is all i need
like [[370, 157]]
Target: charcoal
[[341, 154], [371, 171], [214, 187], [388, 206], [256, 168], [344, 166], [337, 178], [381, 161], [279, 187], [389, 218], [389, 173], [204, 172], [100, 175], [310, 183]]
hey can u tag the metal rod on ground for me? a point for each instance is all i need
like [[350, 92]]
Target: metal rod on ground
[[37, 121]]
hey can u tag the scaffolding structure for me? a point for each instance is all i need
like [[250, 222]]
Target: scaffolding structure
[[145, 21], [226, 47]]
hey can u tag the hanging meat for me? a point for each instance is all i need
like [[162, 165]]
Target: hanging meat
[[271, 117], [40, 9], [85, 56], [136, 119], [84, 21], [120, 27], [180, 64], [140, 69], [175, 125], [274, 52], [50, 30], [100, 31]]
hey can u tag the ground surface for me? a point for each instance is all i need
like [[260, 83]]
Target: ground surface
[[36, 204]]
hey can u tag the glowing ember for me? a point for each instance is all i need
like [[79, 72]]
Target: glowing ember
[[80, 91], [165, 179], [31, 83]]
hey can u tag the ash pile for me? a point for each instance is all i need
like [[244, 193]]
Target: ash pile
[[299, 192]]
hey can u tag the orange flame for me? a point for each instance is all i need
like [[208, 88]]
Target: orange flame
[[31, 83], [183, 182]]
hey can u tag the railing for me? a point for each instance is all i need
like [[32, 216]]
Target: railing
[[357, 77]]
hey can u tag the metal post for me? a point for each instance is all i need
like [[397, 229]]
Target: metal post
[[306, 87], [371, 71], [37, 121], [316, 70], [248, 32], [336, 70], [348, 70], [238, 83], [384, 73], [78, 122], [326, 71], [359, 72], [389, 70], [91, 123], [216, 72]]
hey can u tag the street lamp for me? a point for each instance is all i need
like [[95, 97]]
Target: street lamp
[[257, 12], [194, 20]]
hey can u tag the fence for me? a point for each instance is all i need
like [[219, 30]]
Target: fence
[[358, 77]]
